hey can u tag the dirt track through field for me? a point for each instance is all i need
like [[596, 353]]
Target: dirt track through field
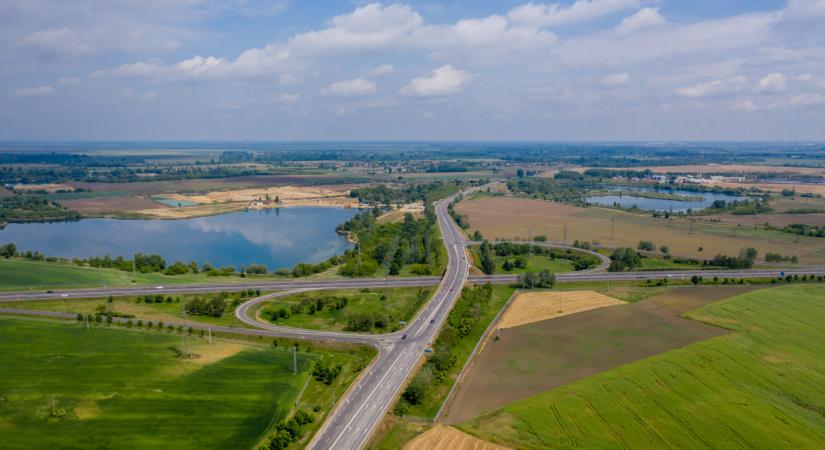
[[440, 437], [533, 358], [529, 307]]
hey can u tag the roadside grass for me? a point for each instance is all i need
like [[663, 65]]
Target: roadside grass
[[756, 387], [400, 304], [66, 387], [165, 312], [22, 274], [493, 217], [462, 350], [666, 264]]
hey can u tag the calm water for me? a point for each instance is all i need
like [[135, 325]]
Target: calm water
[[276, 238], [652, 204]]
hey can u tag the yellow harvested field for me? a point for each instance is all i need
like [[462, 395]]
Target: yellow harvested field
[[50, 187], [192, 211], [494, 218], [441, 437], [800, 188], [734, 168], [529, 307]]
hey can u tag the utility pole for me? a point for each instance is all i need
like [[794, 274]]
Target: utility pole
[[530, 242], [565, 232], [295, 360], [210, 334], [185, 351], [612, 226]]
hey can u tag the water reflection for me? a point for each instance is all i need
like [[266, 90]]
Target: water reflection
[[276, 238]]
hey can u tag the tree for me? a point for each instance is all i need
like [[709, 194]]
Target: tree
[[665, 250], [647, 246], [520, 173], [546, 279], [488, 263], [8, 250]]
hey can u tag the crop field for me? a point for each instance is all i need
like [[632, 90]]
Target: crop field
[[110, 204], [493, 216], [19, 274], [533, 358], [732, 168], [759, 386], [171, 312], [112, 388], [529, 307], [441, 437], [400, 304]]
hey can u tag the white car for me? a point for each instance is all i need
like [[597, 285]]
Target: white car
[[158, 287], [64, 295]]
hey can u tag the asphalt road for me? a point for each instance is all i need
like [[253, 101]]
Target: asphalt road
[[359, 412], [352, 422]]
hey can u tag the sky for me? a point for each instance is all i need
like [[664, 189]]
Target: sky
[[634, 70]]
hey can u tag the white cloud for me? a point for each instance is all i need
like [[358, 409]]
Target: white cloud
[[139, 96], [713, 88], [350, 88], [807, 100], [383, 69], [775, 82], [643, 18], [442, 81], [666, 42], [551, 14], [615, 79], [38, 91], [57, 43], [369, 27]]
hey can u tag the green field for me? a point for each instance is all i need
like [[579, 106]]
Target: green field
[[400, 304], [757, 387], [21, 274], [62, 386], [166, 312]]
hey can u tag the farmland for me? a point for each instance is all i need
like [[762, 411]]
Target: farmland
[[114, 388], [529, 307], [758, 386], [347, 309], [19, 274], [533, 358], [152, 308], [493, 217]]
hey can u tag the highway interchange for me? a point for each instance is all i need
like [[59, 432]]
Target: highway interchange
[[359, 412]]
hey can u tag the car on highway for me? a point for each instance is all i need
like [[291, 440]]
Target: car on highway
[[404, 337], [64, 295], [158, 287]]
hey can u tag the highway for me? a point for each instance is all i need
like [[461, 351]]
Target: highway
[[352, 422], [310, 284], [359, 412]]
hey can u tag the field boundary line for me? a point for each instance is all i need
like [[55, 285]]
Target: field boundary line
[[471, 359]]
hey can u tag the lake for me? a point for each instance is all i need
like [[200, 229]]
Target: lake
[[273, 237], [655, 204]]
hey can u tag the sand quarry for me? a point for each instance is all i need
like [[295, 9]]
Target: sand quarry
[[440, 437], [529, 307], [219, 202]]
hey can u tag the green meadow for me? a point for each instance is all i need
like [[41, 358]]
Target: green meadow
[[761, 386], [63, 386]]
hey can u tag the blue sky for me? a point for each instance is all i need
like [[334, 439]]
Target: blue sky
[[417, 70]]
